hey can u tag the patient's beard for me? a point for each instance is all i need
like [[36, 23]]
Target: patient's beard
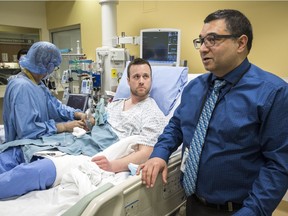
[[142, 93]]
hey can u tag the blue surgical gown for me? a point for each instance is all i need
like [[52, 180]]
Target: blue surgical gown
[[31, 111]]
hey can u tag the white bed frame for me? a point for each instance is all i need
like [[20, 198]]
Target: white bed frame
[[131, 197]]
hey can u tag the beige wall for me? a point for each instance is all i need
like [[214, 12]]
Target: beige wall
[[269, 20], [85, 13]]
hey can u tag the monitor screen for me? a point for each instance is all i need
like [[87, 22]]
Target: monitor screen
[[78, 101], [160, 46]]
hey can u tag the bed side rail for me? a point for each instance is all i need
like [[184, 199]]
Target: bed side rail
[[133, 198], [80, 206]]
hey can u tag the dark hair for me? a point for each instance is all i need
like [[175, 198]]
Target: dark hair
[[138, 61], [237, 23], [21, 52]]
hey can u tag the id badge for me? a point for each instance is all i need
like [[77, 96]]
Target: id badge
[[184, 158]]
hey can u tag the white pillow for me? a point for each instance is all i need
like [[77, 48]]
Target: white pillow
[[167, 84]]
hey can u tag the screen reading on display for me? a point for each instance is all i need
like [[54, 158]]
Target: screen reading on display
[[160, 46], [78, 101]]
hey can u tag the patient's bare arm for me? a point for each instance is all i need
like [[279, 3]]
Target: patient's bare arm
[[121, 164], [80, 122]]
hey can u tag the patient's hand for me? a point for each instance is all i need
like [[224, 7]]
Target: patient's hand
[[103, 163], [89, 120], [89, 123]]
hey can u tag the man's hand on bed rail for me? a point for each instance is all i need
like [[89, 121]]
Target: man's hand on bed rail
[[151, 169]]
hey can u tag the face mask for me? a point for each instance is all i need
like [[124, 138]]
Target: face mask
[[46, 77]]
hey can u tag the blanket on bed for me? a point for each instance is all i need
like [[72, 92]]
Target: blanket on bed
[[101, 137], [76, 182]]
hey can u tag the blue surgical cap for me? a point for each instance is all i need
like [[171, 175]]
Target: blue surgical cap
[[41, 58]]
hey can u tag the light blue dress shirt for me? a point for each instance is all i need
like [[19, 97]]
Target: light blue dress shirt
[[245, 154]]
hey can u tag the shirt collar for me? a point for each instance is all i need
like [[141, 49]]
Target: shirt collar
[[236, 74]]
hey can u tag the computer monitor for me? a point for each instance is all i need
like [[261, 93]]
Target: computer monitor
[[78, 101], [160, 46]]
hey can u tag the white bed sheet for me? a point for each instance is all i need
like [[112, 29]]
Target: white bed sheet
[[57, 200], [77, 181]]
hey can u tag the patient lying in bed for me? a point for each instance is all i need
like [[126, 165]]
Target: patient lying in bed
[[137, 115]]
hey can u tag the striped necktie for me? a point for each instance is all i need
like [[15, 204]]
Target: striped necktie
[[192, 161]]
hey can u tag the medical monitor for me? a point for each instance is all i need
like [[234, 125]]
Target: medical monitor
[[78, 101], [160, 46]]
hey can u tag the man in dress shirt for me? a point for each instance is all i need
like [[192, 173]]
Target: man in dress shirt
[[243, 168]]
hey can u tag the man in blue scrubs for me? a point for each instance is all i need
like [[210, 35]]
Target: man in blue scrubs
[[30, 112], [243, 167]]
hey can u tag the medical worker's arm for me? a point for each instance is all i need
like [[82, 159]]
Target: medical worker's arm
[[80, 116], [65, 117], [80, 121], [68, 126], [60, 112]]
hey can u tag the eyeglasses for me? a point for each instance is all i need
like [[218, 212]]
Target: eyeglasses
[[210, 40]]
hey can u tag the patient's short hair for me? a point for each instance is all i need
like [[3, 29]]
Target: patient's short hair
[[138, 61]]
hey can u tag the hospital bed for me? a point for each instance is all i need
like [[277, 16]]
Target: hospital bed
[[123, 194], [132, 197]]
